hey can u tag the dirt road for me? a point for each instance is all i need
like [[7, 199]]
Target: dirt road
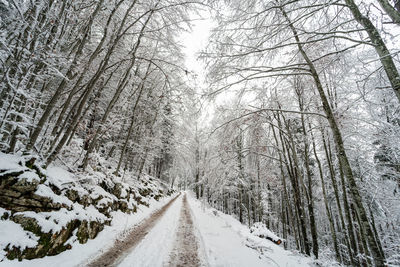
[[186, 248], [182, 252], [120, 249]]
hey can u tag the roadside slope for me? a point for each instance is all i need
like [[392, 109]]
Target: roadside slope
[[48, 213], [229, 243]]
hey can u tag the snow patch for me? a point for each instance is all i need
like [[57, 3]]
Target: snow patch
[[259, 229], [59, 176], [29, 176], [10, 163], [97, 192], [73, 238], [13, 235], [54, 221], [45, 191]]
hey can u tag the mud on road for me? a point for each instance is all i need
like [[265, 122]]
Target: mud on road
[[186, 248]]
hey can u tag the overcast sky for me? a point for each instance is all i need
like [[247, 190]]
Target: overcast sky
[[195, 41]]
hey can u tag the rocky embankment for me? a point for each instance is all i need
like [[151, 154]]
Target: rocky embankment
[[43, 212]]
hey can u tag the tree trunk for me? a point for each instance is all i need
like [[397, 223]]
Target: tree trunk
[[328, 213], [391, 11], [384, 56], [378, 257], [63, 84], [128, 136], [313, 226], [351, 245]]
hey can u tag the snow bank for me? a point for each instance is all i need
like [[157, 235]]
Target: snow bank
[[259, 229], [59, 176], [229, 243], [55, 221], [10, 162], [45, 191], [51, 210], [29, 176], [13, 231]]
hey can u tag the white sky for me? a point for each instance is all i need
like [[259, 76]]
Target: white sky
[[194, 42]]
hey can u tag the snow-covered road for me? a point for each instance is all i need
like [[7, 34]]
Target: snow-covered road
[[190, 234], [178, 231], [186, 247], [154, 249]]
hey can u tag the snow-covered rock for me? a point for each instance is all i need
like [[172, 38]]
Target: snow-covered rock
[[46, 211]]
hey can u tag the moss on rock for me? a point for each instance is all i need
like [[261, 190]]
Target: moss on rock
[[18, 195]]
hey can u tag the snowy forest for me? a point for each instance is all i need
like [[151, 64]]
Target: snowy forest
[[292, 125]]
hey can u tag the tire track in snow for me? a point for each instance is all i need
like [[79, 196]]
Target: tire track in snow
[[186, 248], [154, 249], [121, 248]]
